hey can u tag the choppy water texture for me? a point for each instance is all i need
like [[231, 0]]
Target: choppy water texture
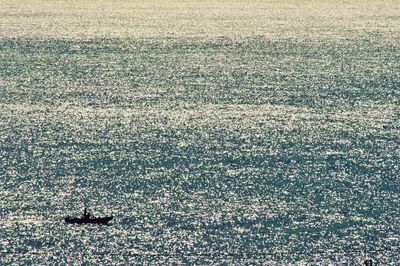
[[215, 131]]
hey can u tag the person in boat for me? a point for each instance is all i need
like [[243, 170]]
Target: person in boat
[[86, 214]]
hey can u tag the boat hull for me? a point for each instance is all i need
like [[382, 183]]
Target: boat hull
[[75, 220]]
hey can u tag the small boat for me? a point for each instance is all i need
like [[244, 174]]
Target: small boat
[[88, 220]]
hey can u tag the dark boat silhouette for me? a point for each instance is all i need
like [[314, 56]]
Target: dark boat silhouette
[[88, 218]]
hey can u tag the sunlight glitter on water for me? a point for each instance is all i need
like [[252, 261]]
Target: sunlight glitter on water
[[214, 132]]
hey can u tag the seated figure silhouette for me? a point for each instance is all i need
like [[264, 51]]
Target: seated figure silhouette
[[368, 262], [86, 214]]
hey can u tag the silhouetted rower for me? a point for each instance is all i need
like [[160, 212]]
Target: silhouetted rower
[[86, 214]]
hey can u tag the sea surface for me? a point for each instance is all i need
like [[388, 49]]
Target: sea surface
[[216, 132]]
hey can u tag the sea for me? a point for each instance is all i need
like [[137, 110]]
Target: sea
[[219, 132]]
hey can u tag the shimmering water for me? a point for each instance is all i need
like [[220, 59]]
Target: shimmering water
[[216, 132]]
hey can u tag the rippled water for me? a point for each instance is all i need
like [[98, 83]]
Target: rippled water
[[216, 132]]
